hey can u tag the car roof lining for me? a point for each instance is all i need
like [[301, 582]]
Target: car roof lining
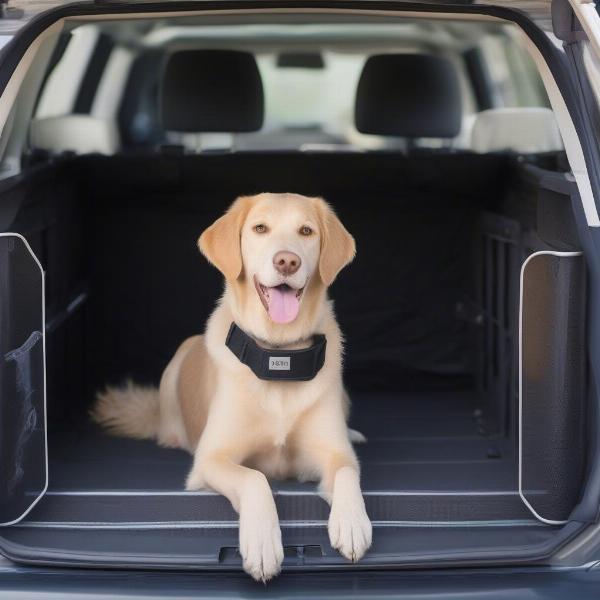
[[539, 11], [270, 33]]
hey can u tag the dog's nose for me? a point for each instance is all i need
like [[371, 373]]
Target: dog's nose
[[287, 263]]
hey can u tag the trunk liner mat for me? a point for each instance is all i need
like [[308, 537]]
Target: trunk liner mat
[[434, 498], [424, 461]]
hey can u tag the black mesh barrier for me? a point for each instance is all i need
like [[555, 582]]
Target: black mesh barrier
[[22, 404], [553, 383]]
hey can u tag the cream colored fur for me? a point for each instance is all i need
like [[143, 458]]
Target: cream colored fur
[[129, 411], [242, 429]]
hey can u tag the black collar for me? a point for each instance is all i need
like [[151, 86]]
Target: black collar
[[277, 364]]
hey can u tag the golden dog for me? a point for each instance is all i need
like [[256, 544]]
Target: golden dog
[[278, 254]]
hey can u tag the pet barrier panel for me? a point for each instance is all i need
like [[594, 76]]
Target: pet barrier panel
[[552, 383], [23, 444]]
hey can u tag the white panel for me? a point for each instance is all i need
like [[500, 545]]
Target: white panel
[[76, 133], [524, 130]]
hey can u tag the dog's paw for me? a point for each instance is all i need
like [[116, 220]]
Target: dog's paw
[[350, 530], [171, 440], [260, 545], [356, 437], [194, 481]]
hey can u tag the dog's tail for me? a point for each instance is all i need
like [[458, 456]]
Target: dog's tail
[[129, 411]]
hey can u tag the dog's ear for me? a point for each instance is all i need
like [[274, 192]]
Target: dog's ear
[[337, 245], [221, 242]]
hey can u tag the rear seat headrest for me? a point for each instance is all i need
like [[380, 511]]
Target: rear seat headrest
[[409, 95], [529, 130], [211, 91]]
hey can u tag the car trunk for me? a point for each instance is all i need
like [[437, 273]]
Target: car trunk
[[430, 310]]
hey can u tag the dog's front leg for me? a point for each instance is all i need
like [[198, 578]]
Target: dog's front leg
[[325, 449], [250, 495], [349, 527]]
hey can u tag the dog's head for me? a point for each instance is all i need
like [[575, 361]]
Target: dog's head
[[280, 248]]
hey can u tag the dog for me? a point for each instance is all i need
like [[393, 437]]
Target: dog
[[278, 254]]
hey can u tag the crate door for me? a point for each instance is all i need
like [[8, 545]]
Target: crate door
[[23, 446]]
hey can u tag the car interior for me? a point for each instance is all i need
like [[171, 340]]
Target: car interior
[[435, 142]]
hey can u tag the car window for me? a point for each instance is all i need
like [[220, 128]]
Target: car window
[[309, 83], [513, 74]]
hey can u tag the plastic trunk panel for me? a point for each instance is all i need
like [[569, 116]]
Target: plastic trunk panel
[[552, 383], [23, 447]]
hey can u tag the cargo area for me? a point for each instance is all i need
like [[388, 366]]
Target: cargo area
[[431, 363], [464, 311]]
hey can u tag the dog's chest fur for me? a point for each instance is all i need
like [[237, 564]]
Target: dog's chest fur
[[280, 406], [278, 414]]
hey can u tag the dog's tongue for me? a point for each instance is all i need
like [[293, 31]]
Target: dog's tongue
[[283, 304]]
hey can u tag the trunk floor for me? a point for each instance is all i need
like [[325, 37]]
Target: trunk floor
[[415, 442], [424, 462], [431, 492]]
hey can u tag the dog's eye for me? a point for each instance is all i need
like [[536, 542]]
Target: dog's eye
[[305, 230], [260, 228]]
